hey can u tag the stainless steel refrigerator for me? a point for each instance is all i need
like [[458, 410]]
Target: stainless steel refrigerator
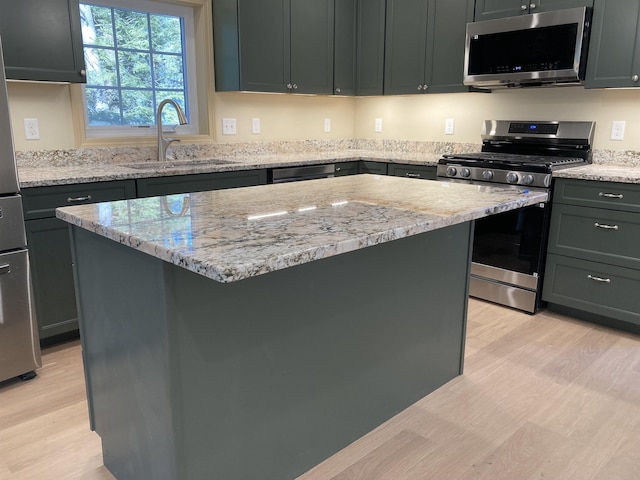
[[19, 343]]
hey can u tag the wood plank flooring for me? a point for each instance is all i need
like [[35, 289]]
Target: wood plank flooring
[[542, 397]]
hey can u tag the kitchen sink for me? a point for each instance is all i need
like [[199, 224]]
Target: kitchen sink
[[177, 164]]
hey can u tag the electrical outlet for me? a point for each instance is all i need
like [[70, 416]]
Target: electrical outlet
[[378, 125], [449, 126], [229, 126], [617, 129], [255, 125], [327, 125], [31, 129]]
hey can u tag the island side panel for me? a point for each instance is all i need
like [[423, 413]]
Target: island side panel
[[275, 373], [121, 305]]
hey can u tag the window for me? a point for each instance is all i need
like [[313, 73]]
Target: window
[[137, 53]]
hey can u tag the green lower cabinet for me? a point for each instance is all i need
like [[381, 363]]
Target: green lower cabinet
[[52, 276], [425, 172], [346, 168], [592, 287], [376, 168], [150, 187], [593, 260]]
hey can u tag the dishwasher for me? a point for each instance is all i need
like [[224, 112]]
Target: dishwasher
[[307, 172]]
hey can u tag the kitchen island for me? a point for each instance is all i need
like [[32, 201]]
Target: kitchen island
[[251, 333]]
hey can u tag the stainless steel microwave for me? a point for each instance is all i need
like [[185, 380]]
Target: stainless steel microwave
[[528, 50]]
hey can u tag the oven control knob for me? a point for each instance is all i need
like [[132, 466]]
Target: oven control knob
[[487, 175], [527, 179], [452, 171], [465, 172], [512, 177]]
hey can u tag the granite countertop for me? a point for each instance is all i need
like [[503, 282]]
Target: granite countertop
[[230, 235], [41, 176], [602, 173]]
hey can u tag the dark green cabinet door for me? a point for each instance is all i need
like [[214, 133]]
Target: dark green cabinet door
[[614, 52], [52, 276], [424, 172], [226, 45], [550, 5], [346, 168], [312, 46], [368, 166], [405, 46], [265, 44], [445, 44], [490, 9], [42, 40], [344, 73], [370, 47]]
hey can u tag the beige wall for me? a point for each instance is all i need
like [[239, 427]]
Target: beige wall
[[415, 117], [422, 117]]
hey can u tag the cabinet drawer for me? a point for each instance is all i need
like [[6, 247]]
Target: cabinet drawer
[[369, 166], [616, 196], [41, 202], [346, 168], [596, 234], [593, 287], [425, 172]]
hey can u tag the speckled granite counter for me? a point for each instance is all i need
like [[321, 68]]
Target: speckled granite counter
[[47, 175], [230, 235], [602, 173]]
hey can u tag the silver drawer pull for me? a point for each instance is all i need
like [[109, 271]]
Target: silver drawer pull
[[412, 175], [6, 268], [599, 279], [606, 227], [611, 195], [78, 199]]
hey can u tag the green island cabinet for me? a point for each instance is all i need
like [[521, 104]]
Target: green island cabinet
[[50, 251], [593, 260], [614, 51], [491, 9], [274, 45], [42, 40], [424, 48]]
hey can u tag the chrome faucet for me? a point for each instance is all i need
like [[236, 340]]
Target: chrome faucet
[[163, 143]]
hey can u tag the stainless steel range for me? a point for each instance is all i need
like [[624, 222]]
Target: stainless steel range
[[509, 249]]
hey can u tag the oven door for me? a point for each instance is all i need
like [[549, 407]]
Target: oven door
[[508, 257]]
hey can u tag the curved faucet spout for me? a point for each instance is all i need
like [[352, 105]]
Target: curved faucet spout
[[163, 143]]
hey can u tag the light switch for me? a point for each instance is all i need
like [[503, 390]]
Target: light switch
[[449, 126], [378, 125], [327, 125], [255, 125]]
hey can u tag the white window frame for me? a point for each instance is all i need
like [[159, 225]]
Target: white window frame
[[128, 131]]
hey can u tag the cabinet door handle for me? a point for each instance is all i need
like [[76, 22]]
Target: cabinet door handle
[[523, 7], [635, 78], [599, 279], [78, 199], [606, 227], [532, 6], [4, 269], [611, 195], [412, 175]]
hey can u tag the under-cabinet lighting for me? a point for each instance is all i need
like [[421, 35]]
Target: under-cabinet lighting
[[307, 209], [339, 204]]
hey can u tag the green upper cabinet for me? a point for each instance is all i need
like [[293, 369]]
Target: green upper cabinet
[[490, 9], [344, 67], [370, 27], [274, 45], [424, 51], [614, 52], [42, 40]]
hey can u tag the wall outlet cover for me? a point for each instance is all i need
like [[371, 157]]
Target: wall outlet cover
[[229, 126], [31, 129], [617, 130], [378, 125]]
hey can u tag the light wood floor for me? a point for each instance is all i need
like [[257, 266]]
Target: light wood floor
[[542, 397]]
